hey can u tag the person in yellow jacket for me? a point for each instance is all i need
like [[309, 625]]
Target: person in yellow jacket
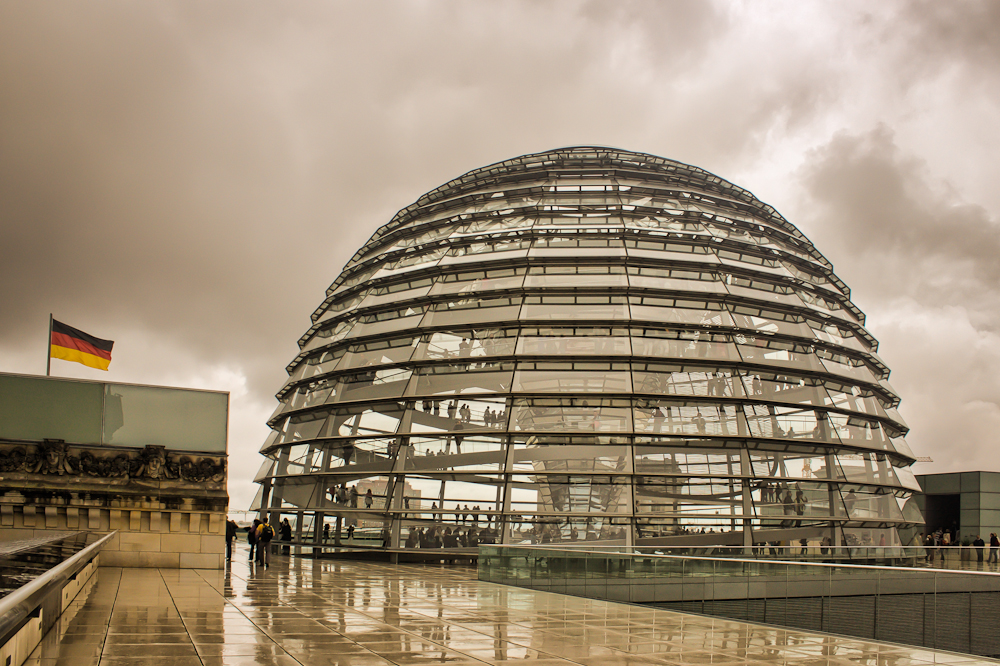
[[264, 535]]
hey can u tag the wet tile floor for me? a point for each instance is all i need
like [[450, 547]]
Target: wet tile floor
[[326, 613]]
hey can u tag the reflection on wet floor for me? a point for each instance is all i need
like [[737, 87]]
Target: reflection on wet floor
[[328, 613]]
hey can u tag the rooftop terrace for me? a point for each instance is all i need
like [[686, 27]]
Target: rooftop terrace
[[329, 613]]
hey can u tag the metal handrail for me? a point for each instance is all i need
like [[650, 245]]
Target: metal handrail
[[704, 558], [20, 605]]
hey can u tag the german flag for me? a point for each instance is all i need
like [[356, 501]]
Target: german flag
[[71, 344]]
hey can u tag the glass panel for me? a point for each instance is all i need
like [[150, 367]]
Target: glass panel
[[551, 377], [911, 511], [384, 296], [665, 343], [561, 455], [438, 499], [441, 415], [490, 244], [679, 311], [661, 222], [765, 321], [600, 239], [888, 538], [473, 310], [342, 305], [474, 259], [685, 380], [870, 504], [469, 343], [788, 423], [492, 223], [688, 461], [569, 493], [764, 351], [302, 427], [264, 471], [858, 431], [372, 384], [178, 419], [318, 365], [789, 465], [575, 307], [39, 408], [363, 455], [425, 236], [380, 353], [688, 496], [382, 327], [695, 418], [844, 366], [668, 279], [899, 444], [378, 419], [577, 275], [476, 451], [854, 398], [326, 336], [867, 468], [311, 394], [541, 529], [786, 388], [760, 290], [455, 379], [792, 500], [416, 258], [573, 342], [833, 334], [567, 414], [478, 282]]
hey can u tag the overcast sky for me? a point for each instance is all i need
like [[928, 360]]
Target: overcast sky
[[187, 178]]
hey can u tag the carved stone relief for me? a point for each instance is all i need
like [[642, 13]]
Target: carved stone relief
[[152, 462]]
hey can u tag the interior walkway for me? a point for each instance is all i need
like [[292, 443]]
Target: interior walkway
[[327, 613]]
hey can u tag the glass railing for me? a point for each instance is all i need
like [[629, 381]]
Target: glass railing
[[938, 608], [966, 558]]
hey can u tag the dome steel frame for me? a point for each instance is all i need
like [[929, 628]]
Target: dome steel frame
[[589, 344]]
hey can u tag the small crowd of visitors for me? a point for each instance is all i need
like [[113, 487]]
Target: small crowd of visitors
[[260, 534], [437, 537], [936, 543]]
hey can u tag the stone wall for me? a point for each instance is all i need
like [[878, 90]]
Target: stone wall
[[168, 507]]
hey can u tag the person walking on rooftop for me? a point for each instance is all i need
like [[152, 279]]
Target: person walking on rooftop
[[264, 535], [979, 544], [252, 537], [231, 529], [286, 535]]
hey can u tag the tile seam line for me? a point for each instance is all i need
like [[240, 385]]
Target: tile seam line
[[473, 583], [287, 605], [418, 636], [240, 610], [187, 630], [114, 604], [605, 602]]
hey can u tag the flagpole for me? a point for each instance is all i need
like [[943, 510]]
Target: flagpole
[[48, 349]]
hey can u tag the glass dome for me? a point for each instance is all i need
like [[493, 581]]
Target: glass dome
[[588, 344]]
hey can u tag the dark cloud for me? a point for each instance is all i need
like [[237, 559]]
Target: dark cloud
[[940, 35], [898, 226], [923, 263], [188, 178]]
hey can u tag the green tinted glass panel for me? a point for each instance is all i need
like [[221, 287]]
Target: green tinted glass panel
[[174, 418], [40, 408]]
